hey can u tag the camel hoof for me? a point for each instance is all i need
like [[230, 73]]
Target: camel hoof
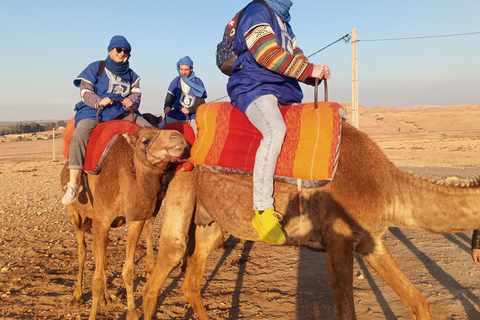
[[105, 300], [74, 302], [133, 315]]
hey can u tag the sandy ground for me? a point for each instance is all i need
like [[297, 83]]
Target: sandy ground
[[38, 259]]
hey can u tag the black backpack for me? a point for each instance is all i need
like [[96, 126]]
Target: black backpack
[[101, 69], [226, 56]]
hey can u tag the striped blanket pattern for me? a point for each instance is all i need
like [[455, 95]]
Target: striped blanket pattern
[[227, 139], [101, 139]]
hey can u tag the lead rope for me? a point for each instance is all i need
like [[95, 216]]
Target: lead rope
[[147, 150], [114, 99]]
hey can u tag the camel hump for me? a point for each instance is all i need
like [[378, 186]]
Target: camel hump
[[227, 140]]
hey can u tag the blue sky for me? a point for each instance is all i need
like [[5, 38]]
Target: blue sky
[[46, 44]]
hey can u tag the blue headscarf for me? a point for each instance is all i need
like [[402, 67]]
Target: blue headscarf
[[281, 7], [198, 90], [120, 69]]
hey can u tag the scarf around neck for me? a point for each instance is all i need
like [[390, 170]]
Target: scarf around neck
[[281, 7], [191, 81], [120, 69]]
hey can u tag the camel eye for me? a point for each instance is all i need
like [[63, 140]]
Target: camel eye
[[145, 141], [175, 135]]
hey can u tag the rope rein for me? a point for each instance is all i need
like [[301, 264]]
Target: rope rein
[[146, 150]]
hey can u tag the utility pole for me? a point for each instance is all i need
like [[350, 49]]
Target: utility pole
[[355, 117], [53, 132]]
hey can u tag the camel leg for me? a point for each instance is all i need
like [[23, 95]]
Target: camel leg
[[381, 260], [173, 237], [340, 271], [100, 231], [206, 240], [128, 272], [150, 259], [82, 254]]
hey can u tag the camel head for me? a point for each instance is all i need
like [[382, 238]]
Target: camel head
[[158, 145], [152, 119]]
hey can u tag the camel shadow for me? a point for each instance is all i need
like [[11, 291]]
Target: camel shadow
[[454, 239], [314, 298], [230, 245], [460, 292], [311, 291], [383, 303]]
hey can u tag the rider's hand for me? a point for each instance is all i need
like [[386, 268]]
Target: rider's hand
[[185, 110], [167, 110], [320, 71], [104, 102], [127, 104]]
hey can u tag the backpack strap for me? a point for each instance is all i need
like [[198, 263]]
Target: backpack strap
[[240, 14], [101, 68]]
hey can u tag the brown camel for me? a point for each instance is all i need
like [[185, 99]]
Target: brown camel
[[351, 213], [130, 187]]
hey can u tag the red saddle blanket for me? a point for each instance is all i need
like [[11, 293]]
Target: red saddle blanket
[[101, 139], [227, 141]]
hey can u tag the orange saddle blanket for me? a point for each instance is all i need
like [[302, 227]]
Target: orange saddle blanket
[[227, 141], [101, 139]]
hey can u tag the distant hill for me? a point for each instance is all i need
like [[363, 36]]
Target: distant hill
[[9, 123]]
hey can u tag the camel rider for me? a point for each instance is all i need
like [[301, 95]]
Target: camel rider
[[185, 94], [98, 88], [264, 76]]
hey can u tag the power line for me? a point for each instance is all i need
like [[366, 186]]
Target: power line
[[219, 98], [346, 38], [422, 37]]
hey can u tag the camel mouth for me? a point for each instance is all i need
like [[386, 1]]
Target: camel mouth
[[176, 152]]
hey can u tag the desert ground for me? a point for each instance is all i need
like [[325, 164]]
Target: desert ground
[[38, 257]]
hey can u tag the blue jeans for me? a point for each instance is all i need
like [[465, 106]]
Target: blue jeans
[[265, 115]]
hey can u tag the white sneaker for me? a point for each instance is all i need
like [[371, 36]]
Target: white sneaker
[[71, 194]]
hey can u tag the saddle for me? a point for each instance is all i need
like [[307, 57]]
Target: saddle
[[227, 142], [104, 136], [101, 139]]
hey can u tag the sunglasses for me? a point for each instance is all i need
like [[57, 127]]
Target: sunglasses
[[127, 52]]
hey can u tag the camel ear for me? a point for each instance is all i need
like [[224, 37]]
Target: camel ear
[[128, 137]]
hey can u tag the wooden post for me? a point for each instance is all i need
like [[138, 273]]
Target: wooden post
[[355, 117], [53, 144]]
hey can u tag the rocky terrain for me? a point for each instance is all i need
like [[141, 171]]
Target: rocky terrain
[[38, 257]]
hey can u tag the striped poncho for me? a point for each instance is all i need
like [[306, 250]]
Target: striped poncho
[[271, 62]]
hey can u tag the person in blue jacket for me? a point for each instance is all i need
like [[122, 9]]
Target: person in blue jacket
[[113, 88], [184, 95], [266, 74]]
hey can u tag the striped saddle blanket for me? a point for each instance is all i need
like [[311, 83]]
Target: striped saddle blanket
[[227, 141]]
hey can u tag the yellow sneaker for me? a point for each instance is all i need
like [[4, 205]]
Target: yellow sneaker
[[268, 226]]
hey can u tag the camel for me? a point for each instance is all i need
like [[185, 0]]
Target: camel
[[152, 119], [351, 213], [130, 187]]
